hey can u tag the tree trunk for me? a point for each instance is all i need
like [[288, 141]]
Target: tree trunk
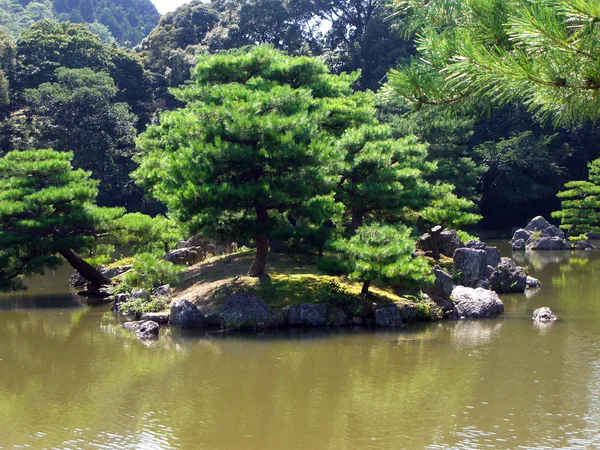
[[357, 220], [365, 288], [86, 270], [435, 248], [262, 242]]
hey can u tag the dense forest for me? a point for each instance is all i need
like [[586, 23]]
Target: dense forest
[[442, 111]]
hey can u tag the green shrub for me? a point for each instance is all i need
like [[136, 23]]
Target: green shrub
[[333, 265], [149, 271], [138, 306], [334, 294]]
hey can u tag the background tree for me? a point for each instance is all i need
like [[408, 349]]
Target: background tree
[[248, 147], [580, 204], [48, 211], [7, 64]]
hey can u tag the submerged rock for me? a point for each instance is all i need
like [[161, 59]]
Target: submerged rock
[[533, 282], [242, 311], [543, 315], [148, 330], [476, 303], [162, 318]]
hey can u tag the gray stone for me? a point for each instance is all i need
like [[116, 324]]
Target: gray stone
[[447, 306], [519, 244], [545, 243], [77, 280], [148, 330], [134, 325], [186, 314], [493, 255], [543, 315], [162, 291], [553, 231], [162, 318], [533, 282], [448, 242], [141, 294], [185, 256], [470, 265], [444, 282], [537, 223], [395, 315], [478, 245], [476, 303], [593, 235], [242, 311], [508, 277], [111, 272], [316, 315], [483, 283], [583, 245], [117, 300], [488, 271], [521, 234]]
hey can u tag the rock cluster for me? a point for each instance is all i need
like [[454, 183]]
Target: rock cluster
[[543, 315], [449, 241], [539, 234]]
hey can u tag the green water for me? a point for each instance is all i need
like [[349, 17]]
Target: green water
[[71, 377]]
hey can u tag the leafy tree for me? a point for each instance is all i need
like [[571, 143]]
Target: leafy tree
[[7, 64], [251, 145], [580, 205], [385, 253], [79, 113], [47, 213], [545, 54], [148, 234]]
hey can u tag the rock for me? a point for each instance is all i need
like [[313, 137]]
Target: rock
[[186, 314], [508, 277], [553, 231], [545, 243], [483, 284], [533, 282], [444, 282], [449, 241], [583, 245], [474, 244], [519, 244], [395, 315], [521, 234], [493, 255], [117, 300], [186, 256], [488, 272], [316, 315], [242, 311], [592, 235], [469, 265], [543, 315], [77, 280], [111, 272], [148, 330], [141, 294], [447, 306], [162, 291], [537, 223], [135, 325], [476, 303], [162, 318]]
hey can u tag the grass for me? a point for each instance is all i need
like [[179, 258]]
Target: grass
[[291, 279]]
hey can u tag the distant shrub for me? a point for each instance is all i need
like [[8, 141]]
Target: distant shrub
[[333, 265], [149, 271], [334, 294]]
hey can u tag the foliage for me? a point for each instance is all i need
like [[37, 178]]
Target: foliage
[[149, 234], [385, 253], [335, 294], [79, 113], [545, 54], [7, 64], [138, 306], [251, 144], [46, 209], [128, 21], [333, 265], [149, 271], [580, 204]]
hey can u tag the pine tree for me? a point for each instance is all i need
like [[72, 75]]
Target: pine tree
[[252, 145], [47, 213]]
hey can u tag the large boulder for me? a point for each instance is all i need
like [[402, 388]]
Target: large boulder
[[592, 235], [546, 243], [444, 282], [476, 303], [162, 318], [141, 294], [493, 255], [147, 330], [449, 241], [583, 245], [395, 315], [186, 314], [111, 272], [242, 311], [470, 265], [543, 315], [537, 223], [185, 256], [519, 244], [508, 277], [316, 315]]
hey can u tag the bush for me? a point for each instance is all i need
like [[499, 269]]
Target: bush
[[334, 294], [149, 271], [138, 306], [333, 265]]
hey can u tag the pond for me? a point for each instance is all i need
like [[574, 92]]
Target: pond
[[71, 377]]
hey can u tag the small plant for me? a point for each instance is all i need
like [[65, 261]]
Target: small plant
[[334, 294], [537, 234], [138, 306], [149, 271]]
